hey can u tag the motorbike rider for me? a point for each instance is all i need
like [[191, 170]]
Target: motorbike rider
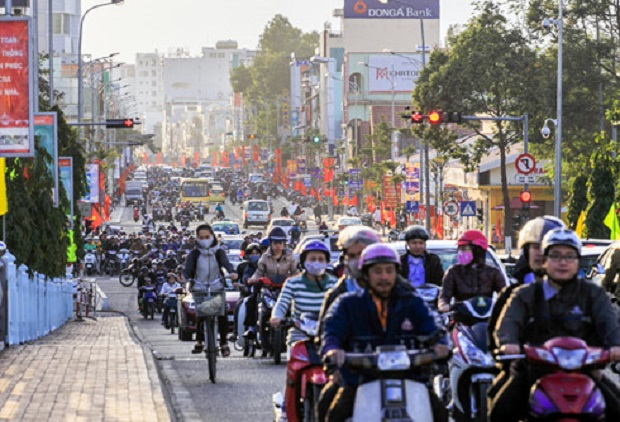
[[168, 292], [471, 276], [284, 212], [419, 266], [351, 241], [203, 267], [277, 264], [219, 211], [384, 313], [562, 304]]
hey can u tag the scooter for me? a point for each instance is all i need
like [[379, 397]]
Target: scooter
[[90, 262], [123, 258], [568, 393], [305, 376], [393, 395], [472, 367], [272, 340], [393, 235], [149, 297]]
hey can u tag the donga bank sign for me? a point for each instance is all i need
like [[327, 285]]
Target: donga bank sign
[[391, 9]]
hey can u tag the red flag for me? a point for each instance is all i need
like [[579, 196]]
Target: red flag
[[182, 161], [159, 158], [196, 158], [215, 158], [95, 217], [243, 156], [335, 199], [145, 158], [345, 201], [498, 227], [353, 201], [303, 189], [439, 227], [255, 153]]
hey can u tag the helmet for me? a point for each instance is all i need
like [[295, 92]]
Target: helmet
[[376, 254], [561, 236], [252, 247], [313, 245], [534, 230], [416, 232], [474, 237], [264, 243], [277, 233], [353, 234]]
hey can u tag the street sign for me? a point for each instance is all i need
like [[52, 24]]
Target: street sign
[[525, 164], [468, 208], [451, 208], [354, 172], [412, 206]]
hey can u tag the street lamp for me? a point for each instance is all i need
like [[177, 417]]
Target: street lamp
[[79, 75], [557, 168]]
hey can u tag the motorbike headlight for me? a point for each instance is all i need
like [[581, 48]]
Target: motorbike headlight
[[309, 327], [569, 359], [592, 357], [393, 361], [472, 353]]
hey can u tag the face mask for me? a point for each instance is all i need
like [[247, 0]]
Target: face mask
[[205, 243], [465, 257], [253, 258], [353, 269], [316, 268]]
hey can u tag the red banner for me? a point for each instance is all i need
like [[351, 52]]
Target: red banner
[[182, 161], [243, 161], [159, 158], [196, 158], [255, 153]]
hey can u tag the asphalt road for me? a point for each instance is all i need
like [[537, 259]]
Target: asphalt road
[[244, 385]]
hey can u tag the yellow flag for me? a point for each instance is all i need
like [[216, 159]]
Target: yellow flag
[[580, 224], [4, 202], [611, 221]]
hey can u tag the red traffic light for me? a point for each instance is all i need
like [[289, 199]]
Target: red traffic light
[[434, 117], [120, 123], [128, 123], [525, 197], [417, 117]]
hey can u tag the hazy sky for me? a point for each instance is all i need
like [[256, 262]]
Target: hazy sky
[[146, 25]]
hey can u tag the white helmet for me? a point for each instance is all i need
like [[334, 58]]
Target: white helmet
[[534, 230]]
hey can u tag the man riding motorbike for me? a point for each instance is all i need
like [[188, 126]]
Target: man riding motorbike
[[559, 305], [417, 265]]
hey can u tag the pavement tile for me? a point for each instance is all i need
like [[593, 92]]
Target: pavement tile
[[82, 371]]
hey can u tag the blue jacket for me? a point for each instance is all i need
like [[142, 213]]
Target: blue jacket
[[352, 324]]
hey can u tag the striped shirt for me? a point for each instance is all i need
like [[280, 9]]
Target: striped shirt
[[300, 294]]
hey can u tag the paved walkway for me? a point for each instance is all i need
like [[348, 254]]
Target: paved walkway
[[85, 371]]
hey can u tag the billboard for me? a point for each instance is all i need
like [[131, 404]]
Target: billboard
[[46, 135], [92, 183], [16, 82], [385, 69], [391, 9], [65, 171]]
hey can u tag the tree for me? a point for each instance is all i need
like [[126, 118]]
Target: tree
[[601, 191], [578, 200], [489, 70]]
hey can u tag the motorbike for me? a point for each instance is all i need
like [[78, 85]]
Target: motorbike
[[568, 393], [272, 340], [90, 262], [111, 262], [123, 258], [393, 235], [472, 367], [147, 306], [130, 274], [393, 395], [305, 376]]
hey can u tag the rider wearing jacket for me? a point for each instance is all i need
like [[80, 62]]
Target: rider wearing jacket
[[560, 305], [384, 313], [419, 266], [471, 277]]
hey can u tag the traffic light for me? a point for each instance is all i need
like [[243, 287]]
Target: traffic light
[[525, 197], [316, 139], [451, 117], [434, 117], [119, 123], [251, 136], [417, 117], [479, 214], [516, 222]]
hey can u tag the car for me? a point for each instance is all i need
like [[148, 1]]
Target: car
[[216, 194], [596, 270], [187, 312], [285, 223], [226, 227], [329, 239], [446, 251], [348, 221], [232, 246], [256, 212]]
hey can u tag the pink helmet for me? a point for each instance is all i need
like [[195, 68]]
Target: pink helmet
[[474, 237]]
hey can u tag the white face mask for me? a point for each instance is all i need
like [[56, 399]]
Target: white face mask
[[315, 268], [205, 243]]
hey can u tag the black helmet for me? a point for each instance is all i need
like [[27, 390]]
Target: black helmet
[[252, 247], [416, 232], [277, 233]]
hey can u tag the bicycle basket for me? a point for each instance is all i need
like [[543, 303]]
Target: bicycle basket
[[209, 304]]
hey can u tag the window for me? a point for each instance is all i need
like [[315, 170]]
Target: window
[[61, 23]]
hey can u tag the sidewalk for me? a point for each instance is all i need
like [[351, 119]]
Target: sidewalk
[[84, 371]]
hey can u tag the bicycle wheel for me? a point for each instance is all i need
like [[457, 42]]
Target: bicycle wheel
[[126, 279], [209, 330]]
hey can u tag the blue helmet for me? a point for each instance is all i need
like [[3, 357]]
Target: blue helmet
[[264, 243], [277, 233], [313, 245]]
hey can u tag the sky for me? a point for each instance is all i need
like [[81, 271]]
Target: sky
[[143, 26]]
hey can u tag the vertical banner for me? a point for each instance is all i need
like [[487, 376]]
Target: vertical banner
[[92, 183], [65, 172], [16, 88], [46, 137]]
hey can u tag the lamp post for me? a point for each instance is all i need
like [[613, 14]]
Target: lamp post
[[79, 75]]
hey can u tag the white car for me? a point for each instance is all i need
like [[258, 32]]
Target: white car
[[232, 246], [285, 223], [348, 221]]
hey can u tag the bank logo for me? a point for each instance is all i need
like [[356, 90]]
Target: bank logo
[[360, 7]]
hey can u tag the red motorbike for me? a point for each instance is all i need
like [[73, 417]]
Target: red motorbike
[[305, 376], [569, 393]]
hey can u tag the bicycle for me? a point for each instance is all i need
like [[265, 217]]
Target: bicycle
[[87, 299]]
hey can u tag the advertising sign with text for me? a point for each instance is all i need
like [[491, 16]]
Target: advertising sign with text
[[46, 136], [65, 171], [381, 9], [16, 105], [92, 183], [404, 72]]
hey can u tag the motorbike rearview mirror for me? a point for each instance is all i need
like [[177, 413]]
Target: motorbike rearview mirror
[[600, 269]]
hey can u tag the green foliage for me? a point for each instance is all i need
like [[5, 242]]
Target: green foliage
[[578, 200], [601, 191]]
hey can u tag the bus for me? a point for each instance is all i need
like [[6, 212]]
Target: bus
[[194, 190]]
